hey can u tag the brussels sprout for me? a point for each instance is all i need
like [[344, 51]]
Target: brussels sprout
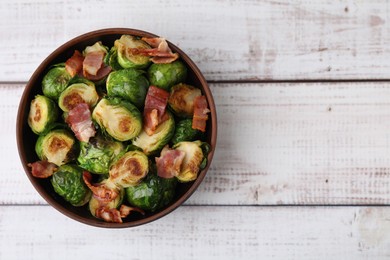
[[98, 46], [129, 84], [97, 155], [129, 169], [185, 132], [119, 118], [126, 57], [43, 113], [57, 146], [181, 99], [166, 75], [153, 143], [192, 160], [111, 59], [55, 81], [152, 193], [68, 183], [94, 203], [78, 93]]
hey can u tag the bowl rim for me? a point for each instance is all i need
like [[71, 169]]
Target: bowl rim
[[30, 86]]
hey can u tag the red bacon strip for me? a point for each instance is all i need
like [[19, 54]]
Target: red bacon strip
[[200, 113], [42, 169], [169, 162], [160, 52], [79, 120], [74, 64], [108, 215], [101, 74], [100, 192], [154, 111], [92, 63]]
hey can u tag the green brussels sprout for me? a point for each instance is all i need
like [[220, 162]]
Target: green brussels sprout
[[129, 84], [192, 160], [119, 118], [43, 113], [97, 155], [181, 99], [98, 46], [78, 93], [185, 132], [95, 204], [111, 59], [152, 193], [150, 144], [166, 75], [55, 81], [129, 169], [57, 146], [126, 57], [68, 182]]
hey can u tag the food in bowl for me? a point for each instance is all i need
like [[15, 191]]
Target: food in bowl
[[111, 132]]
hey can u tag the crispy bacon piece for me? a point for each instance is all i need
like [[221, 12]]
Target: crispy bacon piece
[[42, 169], [100, 192], [200, 113], [79, 120], [126, 210], [160, 52], [92, 63], [108, 215], [74, 64], [101, 74], [169, 162], [154, 110]]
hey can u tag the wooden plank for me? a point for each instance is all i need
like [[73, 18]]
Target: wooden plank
[[39, 232], [229, 40], [301, 143]]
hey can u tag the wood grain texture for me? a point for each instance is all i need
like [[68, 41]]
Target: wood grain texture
[[39, 232], [278, 144], [229, 40]]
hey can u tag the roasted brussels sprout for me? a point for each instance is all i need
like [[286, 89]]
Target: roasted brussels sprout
[[119, 118], [43, 113], [95, 203], [78, 93], [129, 169], [68, 183], [111, 59], [55, 81], [162, 135], [181, 99], [57, 146], [98, 46], [129, 84], [127, 58], [185, 132], [165, 75], [97, 155], [152, 193], [192, 160]]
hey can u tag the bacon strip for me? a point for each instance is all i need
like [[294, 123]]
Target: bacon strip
[[101, 74], [108, 215], [93, 62], [100, 192], [155, 106], [79, 120], [126, 210], [160, 52], [42, 169], [200, 113], [169, 162], [74, 64]]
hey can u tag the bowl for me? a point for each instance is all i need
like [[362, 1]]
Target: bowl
[[26, 139]]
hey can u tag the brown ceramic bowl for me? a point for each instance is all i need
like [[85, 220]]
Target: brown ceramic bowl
[[26, 138]]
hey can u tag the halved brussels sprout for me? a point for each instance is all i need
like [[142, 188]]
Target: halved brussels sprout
[[185, 132], [129, 84], [98, 46], [97, 155], [55, 81], [43, 113], [165, 75], [153, 143], [126, 57], [57, 146], [111, 59], [129, 169], [78, 93], [181, 99], [192, 160], [119, 118], [152, 193], [68, 182], [94, 203]]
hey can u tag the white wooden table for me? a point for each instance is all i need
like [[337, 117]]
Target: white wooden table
[[302, 167]]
